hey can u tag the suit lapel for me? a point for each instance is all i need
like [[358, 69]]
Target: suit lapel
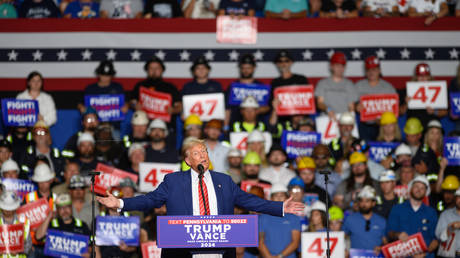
[[218, 189], [187, 181]]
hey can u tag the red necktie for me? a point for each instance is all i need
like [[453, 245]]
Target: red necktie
[[205, 193]]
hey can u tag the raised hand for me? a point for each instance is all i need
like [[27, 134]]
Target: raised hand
[[110, 201], [293, 207]]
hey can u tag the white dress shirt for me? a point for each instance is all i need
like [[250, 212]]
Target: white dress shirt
[[212, 199]]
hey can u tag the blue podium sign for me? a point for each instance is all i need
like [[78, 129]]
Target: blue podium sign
[[207, 231]]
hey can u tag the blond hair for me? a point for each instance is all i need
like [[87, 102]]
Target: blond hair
[[189, 143]]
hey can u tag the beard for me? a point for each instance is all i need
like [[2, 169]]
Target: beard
[[417, 198], [157, 139], [246, 76], [252, 176], [365, 211]]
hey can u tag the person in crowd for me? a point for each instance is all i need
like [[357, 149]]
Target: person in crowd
[[127, 9], [339, 9], [200, 9], [89, 123], [277, 172], [217, 151], [388, 198], [402, 156], [341, 146], [336, 217], [108, 150], [372, 8], [149, 226], [234, 160], [193, 126], [365, 228], [256, 142], [406, 175], [279, 236], [430, 10], [284, 62], [35, 91], [64, 221], [86, 157], [136, 155], [9, 203], [105, 73], [290, 9], [346, 193], [251, 168], [37, 9], [249, 113], [413, 130], [159, 150], [71, 168], [318, 217], [446, 198], [162, 9], [372, 84], [446, 229], [6, 151], [375, 169], [82, 9], [413, 216], [81, 206], [336, 93], [434, 137], [425, 162], [19, 139], [10, 169], [454, 85], [324, 162], [389, 130], [306, 171], [201, 83], [7, 10], [237, 8], [139, 125]]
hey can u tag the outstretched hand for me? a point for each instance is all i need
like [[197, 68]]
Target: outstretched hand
[[110, 201], [293, 207]]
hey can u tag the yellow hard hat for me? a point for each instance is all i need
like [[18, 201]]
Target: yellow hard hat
[[357, 157], [388, 118], [192, 120], [252, 158], [335, 213], [306, 162], [450, 183], [413, 126]]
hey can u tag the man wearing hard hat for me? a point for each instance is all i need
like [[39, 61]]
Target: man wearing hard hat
[[340, 147], [256, 142], [89, 123], [10, 169], [235, 159], [448, 228], [413, 216], [159, 150], [413, 130], [139, 126], [388, 198], [9, 203], [249, 113], [449, 186], [251, 167], [193, 126]]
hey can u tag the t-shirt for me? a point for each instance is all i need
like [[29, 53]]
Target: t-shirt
[[122, 8], [166, 155], [295, 79], [277, 6], [157, 85], [278, 231], [163, 8], [42, 9], [199, 10], [337, 95], [7, 11], [387, 5], [95, 89], [81, 10], [236, 7], [383, 87], [384, 206], [194, 87], [330, 6], [422, 6], [364, 234]]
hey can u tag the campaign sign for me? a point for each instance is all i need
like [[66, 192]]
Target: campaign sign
[[110, 230], [109, 177], [379, 150], [374, 105], [65, 244], [246, 186], [108, 106], [314, 244], [11, 238], [207, 231], [414, 245], [206, 106], [150, 250], [241, 30], [239, 91], [20, 186], [297, 143], [19, 112], [427, 94], [295, 100], [239, 140], [155, 103], [329, 128], [360, 253], [36, 212], [452, 150], [310, 198], [455, 103], [152, 174]]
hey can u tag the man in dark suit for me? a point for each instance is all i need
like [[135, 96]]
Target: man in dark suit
[[180, 191]]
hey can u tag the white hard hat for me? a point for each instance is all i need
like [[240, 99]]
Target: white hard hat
[[9, 201], [434, 123], [234, 152], [9, 165], [277, 188], [256, 136], [347, 118], [249, 102], [135, 146], [421, 179], [319, 206], [367, 192], [457, 193], [387, 175], [85, 137], [42, 173], [158, 123], [403, 149], [140, 118]]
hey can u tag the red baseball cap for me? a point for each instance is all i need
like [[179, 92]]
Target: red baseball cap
[[372, 62], [339, 58], [422, 69]]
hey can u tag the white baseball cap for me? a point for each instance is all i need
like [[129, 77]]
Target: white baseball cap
[[85, 137], [318, 205], [367, 192], [158, 123], [421, 179], [249, 102], [42, 173], [256, 136], [9, 165], [139, 118], [347, 118], [387, 175], [9, 201], [277, 188], [135, 146], [403, 149]]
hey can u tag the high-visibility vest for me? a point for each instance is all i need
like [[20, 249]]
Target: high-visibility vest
[[33, 196], [21, 220], [55, 223]]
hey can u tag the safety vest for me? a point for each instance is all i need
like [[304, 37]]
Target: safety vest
[[55, 223], [440, 206], [126, 141], [125, 213], [21, 220], [33, 196], [238, 127], [379, 200]]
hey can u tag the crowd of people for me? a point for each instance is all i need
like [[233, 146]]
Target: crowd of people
[[413, 189]]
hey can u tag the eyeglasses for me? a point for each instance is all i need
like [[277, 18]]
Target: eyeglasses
[[368, 225], [40, 132]]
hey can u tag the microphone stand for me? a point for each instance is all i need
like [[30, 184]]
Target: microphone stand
[[93, 175], [200, 176], [326, 181]]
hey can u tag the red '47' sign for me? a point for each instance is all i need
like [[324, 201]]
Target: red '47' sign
[[373, 106], [431, 94], [109, 177], [295, 100], [152, 174], [155, 103], [206, 106], [314, 244], [35, 212]]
